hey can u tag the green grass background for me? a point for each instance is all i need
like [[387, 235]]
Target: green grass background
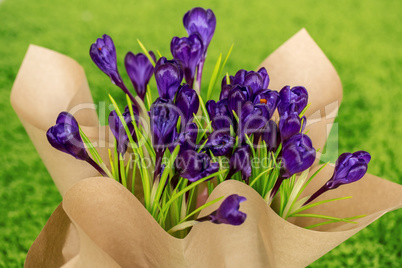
[[361, 38]]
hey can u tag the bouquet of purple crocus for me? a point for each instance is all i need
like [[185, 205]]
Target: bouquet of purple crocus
[[181, 147]]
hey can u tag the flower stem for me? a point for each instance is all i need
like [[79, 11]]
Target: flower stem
[[278, 184], [96, 166], [158, 162], [199, 73], [182, 226], [320, 191]]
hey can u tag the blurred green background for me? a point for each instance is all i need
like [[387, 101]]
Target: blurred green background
[[361, 38]]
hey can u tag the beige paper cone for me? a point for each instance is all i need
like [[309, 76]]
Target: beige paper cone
[[101, 224], [47, 84]]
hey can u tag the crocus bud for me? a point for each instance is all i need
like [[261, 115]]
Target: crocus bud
[[290, 124], [163, 118], [195, 166], [220, 115], [201, 21], [348, 168], [103, 54], [168, 76], [240, 161], [189, 52], [117, 128], [228, 212], [140, 71], [65, 137], [298, 154], [220, 143], [292, 100], [188, 102]]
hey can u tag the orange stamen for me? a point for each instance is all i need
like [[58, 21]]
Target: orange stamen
[[100, 49], [263, 101]]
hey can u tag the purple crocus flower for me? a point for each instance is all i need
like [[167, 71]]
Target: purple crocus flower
[[163, 117], [194, 166], [168, 76], [103, 54], [348, 168], [118, 130], [290, 124], [140, 70], [65, 137], [188, 102], [253, 118], [255, 80], [228, 212], [189, 51], [201, 21], [240, 161], [187, 138], [268, 97], [220, 143], [292, 100], [219, 114], [298, 154]]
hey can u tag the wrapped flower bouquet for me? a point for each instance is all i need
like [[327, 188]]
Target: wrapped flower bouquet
[[179, 180]]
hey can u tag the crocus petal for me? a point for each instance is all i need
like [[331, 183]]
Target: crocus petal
[[225, 91], [241, 161], [219, 114], [265, 77], [363, 155], [237, 98], [238, 78], [140, 71]]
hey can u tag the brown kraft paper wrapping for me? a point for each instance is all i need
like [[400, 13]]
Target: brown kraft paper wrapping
[[101, 224]]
